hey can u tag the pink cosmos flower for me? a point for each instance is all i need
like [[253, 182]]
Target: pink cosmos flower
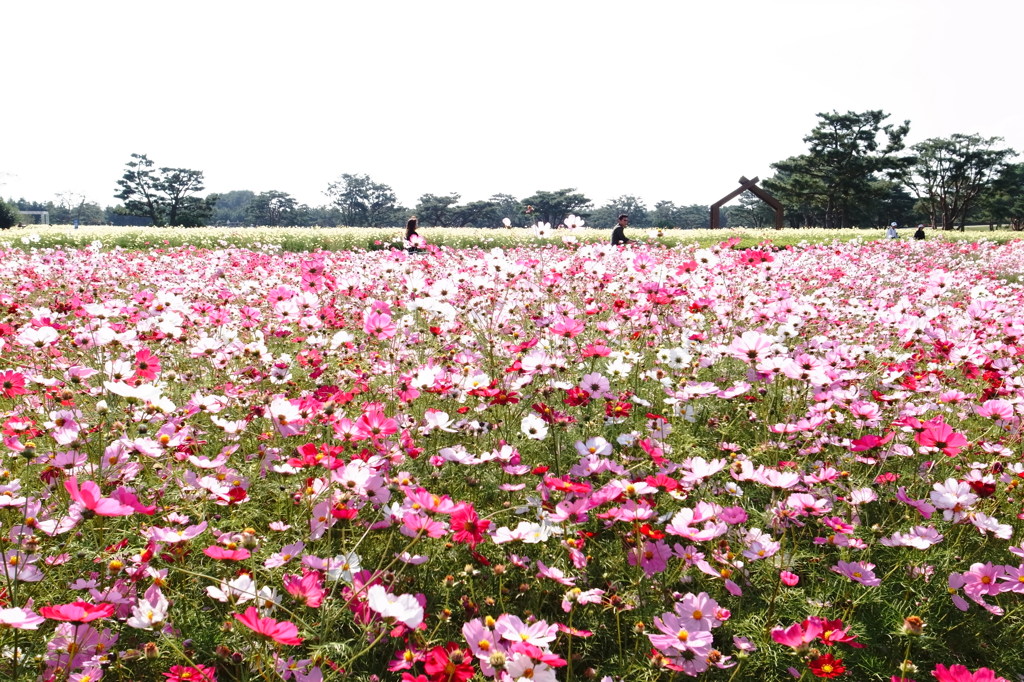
[[567, 327], [175, 535], [597, 386], [22, 619], [513, 629], [552, 573], [282, 632], [89, 497], [374, 424], [996, 409], [147, 365], [415, 524], [196, 673], [959, 673], [799, 635], [379, 325], [698, 611], [217, 552], [12, 384], [941, 436], [287, 553], [467, 527], [77, 612], [982, 579], [858, 571], [919, 537], [678, 636], [750, 347], [309, 589], [789, 579], [1013, 579]]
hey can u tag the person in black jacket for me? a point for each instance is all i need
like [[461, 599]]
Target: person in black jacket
[[920, 232], [618, 234], [412, 237]]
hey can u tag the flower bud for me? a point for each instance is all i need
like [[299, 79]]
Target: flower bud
[[912, 625]]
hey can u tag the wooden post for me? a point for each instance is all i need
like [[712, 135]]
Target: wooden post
[[751, 186]]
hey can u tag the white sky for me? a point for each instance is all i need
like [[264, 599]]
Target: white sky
[[663, 100]]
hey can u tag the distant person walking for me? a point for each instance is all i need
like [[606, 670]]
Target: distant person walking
[[920, 232], [413, 240], [891, 233], [619, 233]]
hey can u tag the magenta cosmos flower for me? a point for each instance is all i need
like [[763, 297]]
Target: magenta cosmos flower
[[941, 436], [77, 612], [959, 673], [283, 632]]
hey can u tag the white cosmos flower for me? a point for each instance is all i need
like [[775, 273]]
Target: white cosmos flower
[[403, 608], [534, 427]]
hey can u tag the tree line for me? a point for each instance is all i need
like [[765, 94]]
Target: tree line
[[857, 171]]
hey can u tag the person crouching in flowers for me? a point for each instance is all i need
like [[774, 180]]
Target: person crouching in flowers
[[413, 241]]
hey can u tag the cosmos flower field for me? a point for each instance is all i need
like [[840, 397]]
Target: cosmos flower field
[[538, 463]]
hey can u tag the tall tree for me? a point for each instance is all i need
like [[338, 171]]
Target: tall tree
[[477, 214], [798, 191], [950, 173], [749, 211], [507, 206], [667, 214], [231, 206], [272, 208], [167, 196], [1004, 201], [846, 153], [553, 207], [363, 202], [608, 215], [9, 215], [439, 211]]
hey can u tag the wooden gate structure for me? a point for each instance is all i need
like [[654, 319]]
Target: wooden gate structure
[[751, 186]]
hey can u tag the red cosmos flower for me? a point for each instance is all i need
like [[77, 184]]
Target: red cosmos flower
[[566, 486], [827, 666], [617, 409], [651, 533], [283, 632], [833, 632], [449, 664], [662, 481], [467, 526], [77, 612], [196, 673], [982, 489], [12, 384], [329, 456], [576, 396]]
